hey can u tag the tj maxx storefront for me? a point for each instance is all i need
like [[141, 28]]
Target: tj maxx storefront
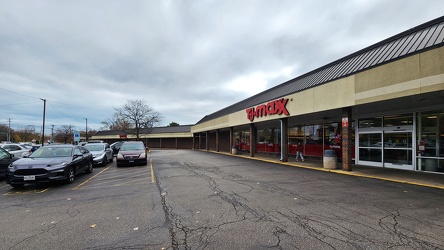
[[382, 106]]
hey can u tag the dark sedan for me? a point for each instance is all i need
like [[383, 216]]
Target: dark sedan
[[50, 163], [5, 159]]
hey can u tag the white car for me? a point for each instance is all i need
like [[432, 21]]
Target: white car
[[15, 149]]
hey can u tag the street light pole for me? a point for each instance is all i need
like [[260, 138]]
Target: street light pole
[[86, 130], [43, 128]]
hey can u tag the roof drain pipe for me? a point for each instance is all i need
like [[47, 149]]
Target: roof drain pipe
[[282, 140]]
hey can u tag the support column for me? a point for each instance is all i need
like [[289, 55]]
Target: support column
[[160, 142], [217, 140], [284, 139], [252, 139], [194, 142], [200, 141], [231, 139], [177, 144], [347, 139], [207, 137]]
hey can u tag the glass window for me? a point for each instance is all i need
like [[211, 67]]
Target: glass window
[[296, 134], [3, 154], [77, 151], [334, 134], [314, 134], [372, 122], [397, 140], [431, 134], [370, 140], [398, 156], [398, 120], [370, 154]]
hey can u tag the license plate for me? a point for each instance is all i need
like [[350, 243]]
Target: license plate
[[29, 178], [131, 161]]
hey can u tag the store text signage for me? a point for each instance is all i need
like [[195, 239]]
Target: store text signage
[[276, 107]]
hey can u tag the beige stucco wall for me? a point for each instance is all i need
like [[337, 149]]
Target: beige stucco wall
[[413, 75], [416, 74]]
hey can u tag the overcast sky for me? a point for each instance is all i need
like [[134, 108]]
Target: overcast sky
[[186, 59]]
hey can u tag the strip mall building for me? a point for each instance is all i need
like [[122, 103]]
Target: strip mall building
[[382, 106]]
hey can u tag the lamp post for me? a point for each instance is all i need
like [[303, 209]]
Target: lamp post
[[43, 128], [86, 130]]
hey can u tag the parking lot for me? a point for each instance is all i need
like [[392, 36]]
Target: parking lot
[[187, 199]]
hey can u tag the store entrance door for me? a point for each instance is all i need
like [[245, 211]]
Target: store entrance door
[[398, 149], [389, 147]]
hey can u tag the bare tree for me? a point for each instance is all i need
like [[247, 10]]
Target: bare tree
[[4, 132], [139, 115], [65, 133], [26, 134], [116, 123]]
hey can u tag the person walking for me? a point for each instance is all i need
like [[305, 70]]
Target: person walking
[[299, 152]]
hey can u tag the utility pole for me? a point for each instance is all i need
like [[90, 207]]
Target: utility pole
[[86, 130], [44, 114], [52, 133], [9, 130]]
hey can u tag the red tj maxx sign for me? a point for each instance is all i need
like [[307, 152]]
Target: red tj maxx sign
[[276, 107]]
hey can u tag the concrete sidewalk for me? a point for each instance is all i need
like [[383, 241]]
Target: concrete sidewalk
[[432, 180]]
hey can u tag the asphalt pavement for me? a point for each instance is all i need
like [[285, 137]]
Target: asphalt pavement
[[426, 179]]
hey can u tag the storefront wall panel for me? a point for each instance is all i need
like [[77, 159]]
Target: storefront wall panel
[[153, 143]]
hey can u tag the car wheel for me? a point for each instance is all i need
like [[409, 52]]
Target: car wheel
[[71, 175], [105, 161], [17, 185], [90, 169]]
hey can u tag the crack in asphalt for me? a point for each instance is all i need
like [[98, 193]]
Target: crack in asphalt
[[327, 229]]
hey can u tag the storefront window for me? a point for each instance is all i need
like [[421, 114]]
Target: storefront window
[[370, 154], [370, 147], [398, 120], [268, 140], [398, 156], [373, 122], [242, 140], [370, 140], [430, 138], [398, 140]]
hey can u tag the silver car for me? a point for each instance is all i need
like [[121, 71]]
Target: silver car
[[15, 149], [102, 153]]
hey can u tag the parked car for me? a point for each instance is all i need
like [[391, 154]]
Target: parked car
[[102, 153], [5, 160], [16, 149], [132, 153], [49, 164], [116, 146]]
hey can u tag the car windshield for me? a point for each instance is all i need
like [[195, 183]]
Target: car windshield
[[132, 146], [50, 152], [94, 147]]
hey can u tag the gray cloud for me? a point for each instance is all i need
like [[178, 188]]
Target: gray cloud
[[187, 59]]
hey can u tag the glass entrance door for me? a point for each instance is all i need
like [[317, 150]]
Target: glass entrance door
[[398, 149], [386, 141]]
